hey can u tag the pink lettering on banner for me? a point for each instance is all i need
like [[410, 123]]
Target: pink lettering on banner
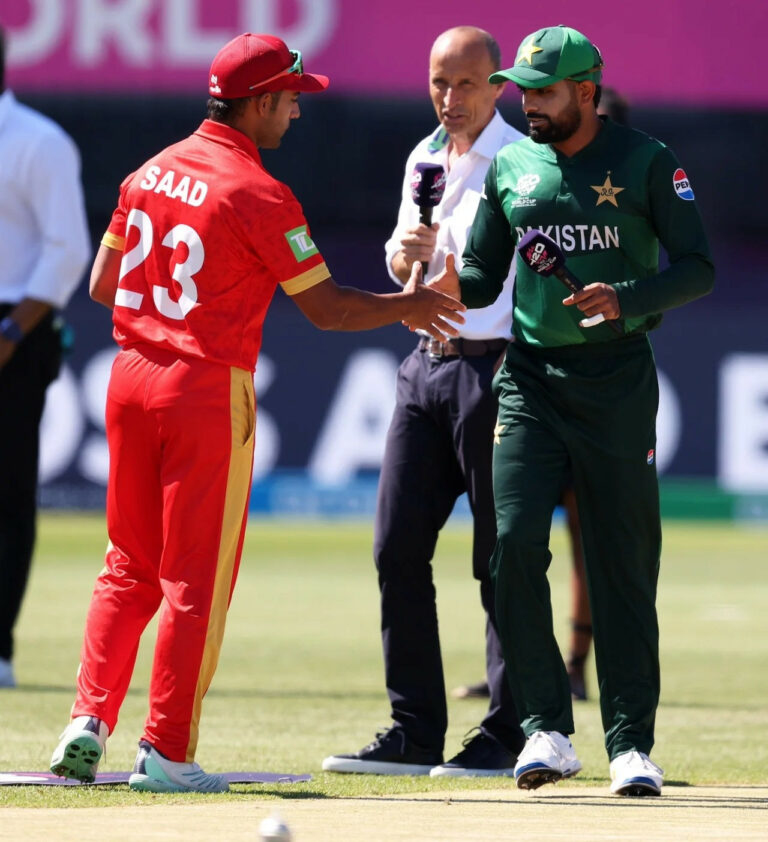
[[376, 47]]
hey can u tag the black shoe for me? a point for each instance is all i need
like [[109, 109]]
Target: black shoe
[[391, 753], [482, 756], [472, 691]]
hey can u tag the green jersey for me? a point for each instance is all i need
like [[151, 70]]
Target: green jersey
[[608, 207]]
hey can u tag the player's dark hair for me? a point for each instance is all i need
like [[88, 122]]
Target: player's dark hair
[[276, 96], [598, 95], [2, 59], [228, 110], [225, 110]]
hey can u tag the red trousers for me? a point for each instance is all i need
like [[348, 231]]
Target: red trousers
[[180, 434]]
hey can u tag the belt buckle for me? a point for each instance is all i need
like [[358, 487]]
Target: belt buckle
[[435, 348]]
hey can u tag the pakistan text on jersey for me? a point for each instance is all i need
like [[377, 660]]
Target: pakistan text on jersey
[[183, 189], [578, 237]]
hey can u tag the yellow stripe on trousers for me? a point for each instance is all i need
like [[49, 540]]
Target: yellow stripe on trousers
[[238, 487]]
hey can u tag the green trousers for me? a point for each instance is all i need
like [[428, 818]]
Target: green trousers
[[584, 414]]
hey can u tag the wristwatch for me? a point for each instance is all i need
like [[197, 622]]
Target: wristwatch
[[10, 330]]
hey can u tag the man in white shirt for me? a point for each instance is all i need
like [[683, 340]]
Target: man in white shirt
[[45, 245], [440, 441]]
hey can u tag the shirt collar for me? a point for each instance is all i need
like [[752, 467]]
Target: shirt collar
[[488, 142], [7, 101], [221, 133], [491, 138]]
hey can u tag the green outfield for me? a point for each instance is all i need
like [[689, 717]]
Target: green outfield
[[300, 675]]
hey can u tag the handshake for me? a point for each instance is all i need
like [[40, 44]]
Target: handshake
[[435, 307]]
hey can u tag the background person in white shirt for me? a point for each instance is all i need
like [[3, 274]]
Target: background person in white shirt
[[440, 441], [45, 247]]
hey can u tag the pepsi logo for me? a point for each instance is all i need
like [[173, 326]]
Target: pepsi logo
[[682, 185]]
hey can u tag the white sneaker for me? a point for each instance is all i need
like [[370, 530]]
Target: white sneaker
[[548, 757], [80, 747], [6, 673], [154, 773], [634, 773]]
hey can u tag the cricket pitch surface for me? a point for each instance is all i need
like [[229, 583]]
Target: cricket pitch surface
[[559, 813]]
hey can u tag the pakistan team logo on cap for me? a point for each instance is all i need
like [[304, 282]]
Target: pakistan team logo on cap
[[527, 51], [301, 244]]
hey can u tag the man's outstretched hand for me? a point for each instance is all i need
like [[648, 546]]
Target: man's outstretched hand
[[433, 308], [448, 280]]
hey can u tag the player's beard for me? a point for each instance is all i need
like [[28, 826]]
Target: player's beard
[[557, 129]]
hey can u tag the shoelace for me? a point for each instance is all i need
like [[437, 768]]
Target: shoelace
[[472, 734], [203, 779], [381, 735], [640, 759], [543, 737]]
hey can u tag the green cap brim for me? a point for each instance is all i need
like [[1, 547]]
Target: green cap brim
[[527, 77]]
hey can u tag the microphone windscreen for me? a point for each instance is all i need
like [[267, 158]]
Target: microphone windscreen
[[427, 184], [540, 252]]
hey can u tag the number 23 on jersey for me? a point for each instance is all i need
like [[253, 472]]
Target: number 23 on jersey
[[183, 273]]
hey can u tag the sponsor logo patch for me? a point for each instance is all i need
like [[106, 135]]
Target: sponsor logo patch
[[650, 457], [300, 243], [682, 185]]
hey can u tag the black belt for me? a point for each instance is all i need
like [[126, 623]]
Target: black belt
[[462, 347]]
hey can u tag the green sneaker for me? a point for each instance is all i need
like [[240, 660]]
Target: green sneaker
[[80, 748], [153, 772]]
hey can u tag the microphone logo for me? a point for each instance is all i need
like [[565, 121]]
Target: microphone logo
[[427, 184], [538, 259]]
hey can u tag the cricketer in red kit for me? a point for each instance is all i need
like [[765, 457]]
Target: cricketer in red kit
[[200, 240]]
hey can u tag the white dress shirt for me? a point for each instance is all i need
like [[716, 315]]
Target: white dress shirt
[[44, 239], [455, 213]]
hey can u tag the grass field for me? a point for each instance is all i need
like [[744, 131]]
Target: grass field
[[300, 675]]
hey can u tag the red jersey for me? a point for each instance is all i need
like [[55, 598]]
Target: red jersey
[[207, 235]]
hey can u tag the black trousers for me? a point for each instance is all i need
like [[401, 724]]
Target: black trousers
[[23, 381], [439, 445]]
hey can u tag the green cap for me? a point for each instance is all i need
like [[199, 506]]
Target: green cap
[[552, 54]]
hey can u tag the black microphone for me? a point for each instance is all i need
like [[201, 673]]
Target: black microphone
[[542, 254], [427, 188]]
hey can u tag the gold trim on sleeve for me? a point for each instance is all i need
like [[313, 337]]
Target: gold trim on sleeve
[[306, 280], [112, 241]]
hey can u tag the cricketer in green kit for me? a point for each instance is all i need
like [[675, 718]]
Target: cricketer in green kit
[[581, 401]]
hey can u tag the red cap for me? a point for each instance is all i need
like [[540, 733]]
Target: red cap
[[255, 64]]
